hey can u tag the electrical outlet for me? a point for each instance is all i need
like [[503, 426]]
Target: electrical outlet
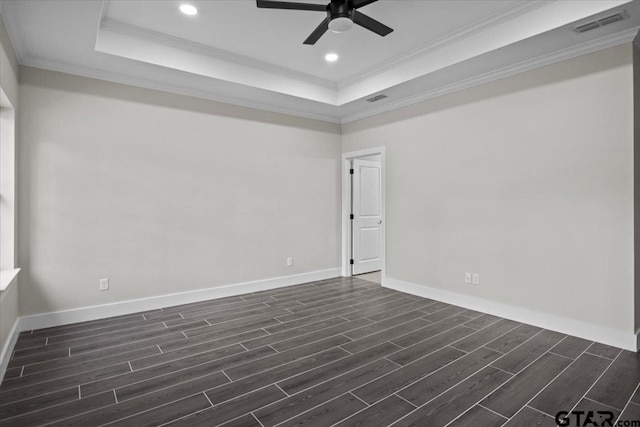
[[476, 279], [289, 262], [104, 284], [467, 277]]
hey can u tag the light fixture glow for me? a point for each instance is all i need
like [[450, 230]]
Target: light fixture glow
[[188, 9], [340, 25], [331, 57]]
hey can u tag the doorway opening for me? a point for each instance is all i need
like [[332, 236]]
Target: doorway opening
[[363, 214]]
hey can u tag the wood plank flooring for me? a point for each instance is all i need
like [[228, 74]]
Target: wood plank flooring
[[343, 352]]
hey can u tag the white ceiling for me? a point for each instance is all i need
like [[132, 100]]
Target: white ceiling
[[276, 36], [234, 52]]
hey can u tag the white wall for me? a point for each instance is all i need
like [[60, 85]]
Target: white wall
[[8, 66], [8, 116], [9, 86], [8, 316], [164, 193], [636, 155], [7, 182], [527, 181]]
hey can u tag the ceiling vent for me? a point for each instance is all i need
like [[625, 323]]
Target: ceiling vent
[[601, 22], [377, 98]]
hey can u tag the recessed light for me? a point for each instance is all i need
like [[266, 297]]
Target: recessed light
[[188, 9], [331, 57]]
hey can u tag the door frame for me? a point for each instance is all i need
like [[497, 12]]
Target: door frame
[[346, 208]]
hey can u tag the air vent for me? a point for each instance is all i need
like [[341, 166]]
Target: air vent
[[610, 19], [377, 98], [586, 27], [601, 22]]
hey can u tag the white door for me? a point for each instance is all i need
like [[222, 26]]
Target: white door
[[366, 225]]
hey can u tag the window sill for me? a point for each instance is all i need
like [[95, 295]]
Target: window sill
[[7, 277]]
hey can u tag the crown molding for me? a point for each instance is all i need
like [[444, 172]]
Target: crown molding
[[626, 36], [506, 14], [591, 46], [209, 51], [104, 11], [166, 87], [7, 12]]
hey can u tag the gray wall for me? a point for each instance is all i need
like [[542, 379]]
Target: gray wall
[[527, 181], [164, 193]]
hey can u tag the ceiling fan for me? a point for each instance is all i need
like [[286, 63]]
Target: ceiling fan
[[341, 15]]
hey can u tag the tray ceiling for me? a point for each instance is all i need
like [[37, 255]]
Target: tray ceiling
[[234, 52]]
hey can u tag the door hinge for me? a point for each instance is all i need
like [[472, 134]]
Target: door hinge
[[351, 171], [351, 261], [351, 216]]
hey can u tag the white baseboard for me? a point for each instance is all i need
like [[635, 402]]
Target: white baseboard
[[5, 355], [589, 331], [46, 320]]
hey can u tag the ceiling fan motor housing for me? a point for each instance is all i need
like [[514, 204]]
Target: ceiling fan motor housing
[[340, 9], [341, 16]]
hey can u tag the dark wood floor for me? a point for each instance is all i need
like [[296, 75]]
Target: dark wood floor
[[340, 352]]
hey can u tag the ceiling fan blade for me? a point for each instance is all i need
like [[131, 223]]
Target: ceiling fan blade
[[318, 32], [370, 24], [357, 4], [269, 4]]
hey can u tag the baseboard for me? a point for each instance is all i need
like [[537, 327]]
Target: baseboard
[[589, 331], [46, 320], [5, 355]]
